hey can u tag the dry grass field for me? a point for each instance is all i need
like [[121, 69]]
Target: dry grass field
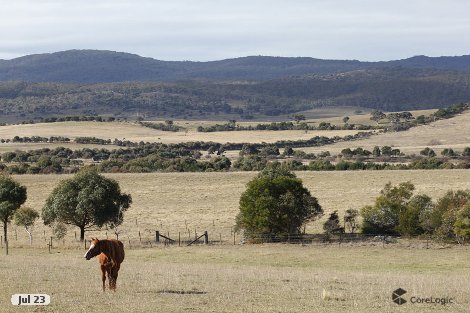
[[189, 202], [135, 132], [11, 146], [453, 133], [248, 278]]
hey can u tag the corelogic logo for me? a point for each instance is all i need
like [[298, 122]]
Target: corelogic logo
[[397, 296]]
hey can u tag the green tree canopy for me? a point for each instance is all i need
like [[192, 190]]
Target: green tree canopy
[[444, 214], [413, 220], [384, 216], [12, 196], [276, 202], [462, 223], [86, 200]]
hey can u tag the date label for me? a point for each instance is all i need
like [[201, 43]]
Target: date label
[[30, 299]]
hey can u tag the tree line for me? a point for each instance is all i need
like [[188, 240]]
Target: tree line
[[170, 158], [398, 211], [275, 203]]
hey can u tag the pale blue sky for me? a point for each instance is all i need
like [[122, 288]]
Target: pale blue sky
[[202, 30]]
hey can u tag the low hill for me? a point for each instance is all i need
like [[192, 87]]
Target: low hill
[[94, 66]]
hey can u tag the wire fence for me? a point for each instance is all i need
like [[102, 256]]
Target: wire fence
[[135, 238]]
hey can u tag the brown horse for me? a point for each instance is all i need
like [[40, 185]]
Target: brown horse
[[111, 255]]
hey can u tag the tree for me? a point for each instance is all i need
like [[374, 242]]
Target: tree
[[444, 214], [377, 115], [276, 203], [376, 152], [410, 220], [466, 152], [384, 216], [299, 117], [59, 230], [26, 217], [12, 196], [211, 150], [350, 220], [449, 152], [462, 223], [346, 119], [288, 151], [332, 225], [428, 152], [86, 200]]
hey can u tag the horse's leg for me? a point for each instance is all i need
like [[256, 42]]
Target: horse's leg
[[116, 272], [115, 276], [110, 277], [103, 275]]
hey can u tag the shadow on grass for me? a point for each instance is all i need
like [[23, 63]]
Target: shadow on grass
[[183, 292]]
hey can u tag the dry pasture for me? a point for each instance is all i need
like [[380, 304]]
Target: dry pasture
[[137, 133], [249, 278], [450, 133], [236, 278], [189, 202]]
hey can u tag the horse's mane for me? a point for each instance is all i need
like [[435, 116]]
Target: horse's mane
[[113, 249]]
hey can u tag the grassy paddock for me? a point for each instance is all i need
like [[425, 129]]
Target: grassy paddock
[[250, 278], [448, 133], [137, 133], [195, 202]]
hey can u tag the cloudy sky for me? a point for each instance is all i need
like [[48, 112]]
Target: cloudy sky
[[203, 30]]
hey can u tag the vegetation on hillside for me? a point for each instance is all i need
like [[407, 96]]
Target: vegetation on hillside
[[384, 89]]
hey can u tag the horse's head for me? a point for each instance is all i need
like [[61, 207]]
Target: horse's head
[[94, 249]]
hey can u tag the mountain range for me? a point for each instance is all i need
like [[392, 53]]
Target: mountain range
[[96, 66], [91, 82]]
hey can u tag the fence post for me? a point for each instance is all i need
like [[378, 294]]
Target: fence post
[[206, 238], [51, 242], [179, 239], [157, 236], [140, 238], [85, 243]]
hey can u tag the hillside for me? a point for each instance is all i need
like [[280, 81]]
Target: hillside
[[449, 133], [385, 89], [93, 66]]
